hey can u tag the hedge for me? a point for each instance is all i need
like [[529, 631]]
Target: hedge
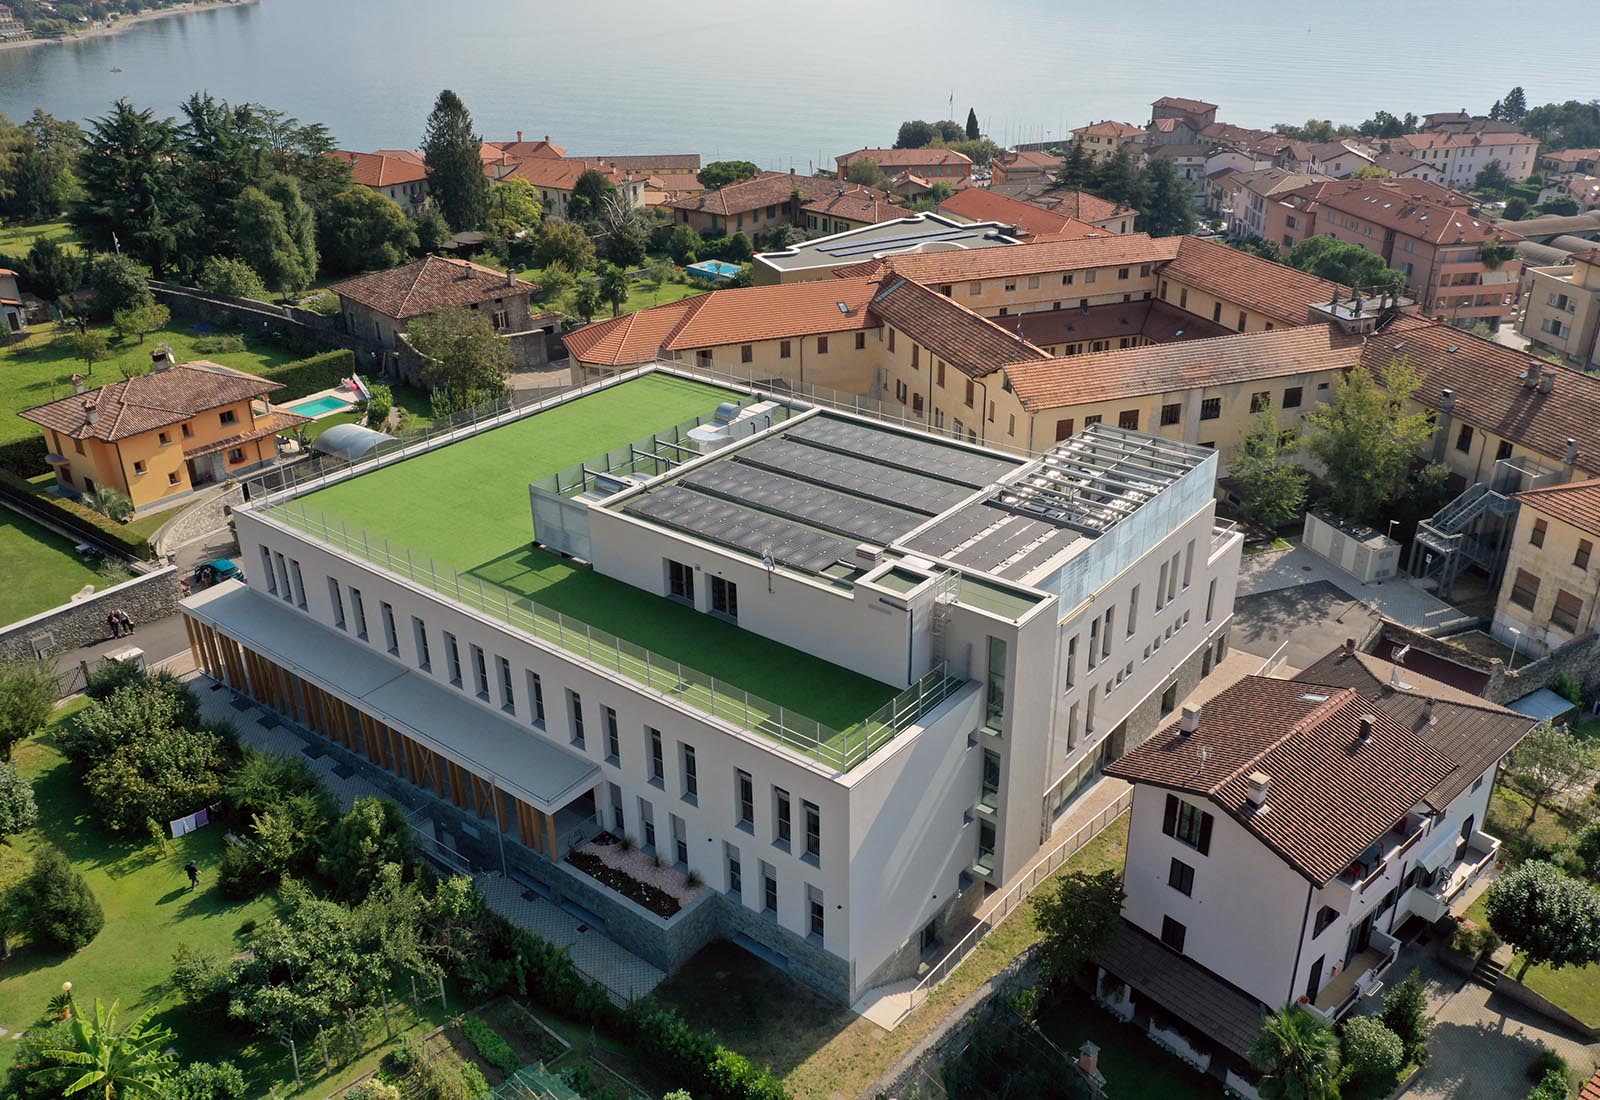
[[75, 517], [304, 377], [24, 457]]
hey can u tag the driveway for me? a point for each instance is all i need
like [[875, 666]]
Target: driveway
[[1308, 620], [1481, 1044]]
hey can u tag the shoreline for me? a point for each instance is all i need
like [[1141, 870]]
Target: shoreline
[[117, 26]]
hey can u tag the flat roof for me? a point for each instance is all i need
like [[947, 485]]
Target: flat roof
[[541, 773], [917, 233]]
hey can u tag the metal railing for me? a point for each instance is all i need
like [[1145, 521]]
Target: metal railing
[[994, 912], [839, 749]]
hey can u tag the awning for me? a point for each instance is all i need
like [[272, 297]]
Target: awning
[[1542, 705], [518, 759]]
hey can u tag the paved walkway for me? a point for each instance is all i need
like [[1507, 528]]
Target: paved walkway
[[202, 518], [625, 975], [1397, 598]]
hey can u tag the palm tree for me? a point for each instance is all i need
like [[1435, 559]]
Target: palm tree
[[111, 503], [1298, 1056], [117, 1065]]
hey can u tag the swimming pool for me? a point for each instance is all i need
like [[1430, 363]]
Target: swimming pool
[[322, 406]]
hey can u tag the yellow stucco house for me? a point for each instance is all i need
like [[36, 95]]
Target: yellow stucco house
[[159, 436]]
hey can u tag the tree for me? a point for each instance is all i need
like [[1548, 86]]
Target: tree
[[1549, 762], [51, 271], [1493, 178], [1117, 179], [27, 699], [219, 158], [130, 1064], [915, 134], [947, 131], [1077, 918], [565, 243], [271, 243], [589, 193], [613, 284], [1168, 206], [1405, 1012], [41, 180], [54, 905], [1372, 1053], [514, 210], [1515, 105], [1516, 208], [587, 299], [1385, 125], [972, 124], [1298, 1056], [684, 245], [469, 361], [131, 198], [1550, 918], [1366, 440], [1370, 172], [865, 171], [92, 346], [1586, 850], [300, 223], [981, 151], [1343, 263], [1258, 246], [373, 833], [623, 236], [111, 503], [361, 230], [431, 229], [119, 282], [231, 278], [140, 321], [450, 150], [1271, 485], [1077, 171], [720, 173], [18, 811]]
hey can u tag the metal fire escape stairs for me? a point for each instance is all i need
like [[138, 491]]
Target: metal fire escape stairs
[[1473, 529]]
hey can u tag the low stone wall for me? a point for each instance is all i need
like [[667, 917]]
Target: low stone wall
[[72, 625], [1514, 990], [1579, 658]]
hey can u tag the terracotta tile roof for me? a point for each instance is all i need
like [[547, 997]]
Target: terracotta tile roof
[[653, 165], [1571, 156], [1164, 125], [1330, 796], [1424, 221], [1268, 182], [1154, 320], [385, 169], [556, 174], [1027, 259], [967, 341], [149, 401], [428, 284], [1178, 103], [271, 424], [1043, 193], [630, 339], [891, 160], [1486, 379], [1109, 128], [1591, 1088], [979, 204], [1411, 143], [1396, 189], [1029, 159], [1399, 163], [1472, 732], [1260, 286], [523, 150], [1577, 503], [1175, 151], [679, 183], [866, 205], [1231, 134], [1190, 364], [767, 189]]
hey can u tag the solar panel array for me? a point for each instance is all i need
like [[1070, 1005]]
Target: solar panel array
[[902, 451], [994, 540], [841, 513], [729, 524], [919, 492]]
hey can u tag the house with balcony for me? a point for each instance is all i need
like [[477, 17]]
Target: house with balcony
[[783, 647], [1102, 139], [1284, 841]]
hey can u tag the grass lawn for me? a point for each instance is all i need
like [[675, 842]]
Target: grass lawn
[[639, 295], [40, 368], [1574, 988], [15, 240], [1134, 1067], [41, 568], [477, 521], [824, 1051]]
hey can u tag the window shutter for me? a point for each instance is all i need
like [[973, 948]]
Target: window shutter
[[1205, 835], [1169, 823]]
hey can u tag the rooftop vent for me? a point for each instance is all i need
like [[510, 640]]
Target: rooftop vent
[[1258, 790], [1427, 712], [1349, 647], [1368, 721], [91, 413], [1547, 381], [868, 555], [1190, 720]]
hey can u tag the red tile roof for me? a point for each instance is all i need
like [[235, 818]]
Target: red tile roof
[[1191, 364], [1383, 203], [1044, 194], [1330, 796], [1109, 128], [892, 160], [428, 284], [630, 339], [1591, 1089], [979, 204], [767, 189], [1178, 103], [1411, 143], [971, 343], [1397, 189], [386, 169], [522, 150], [149, 401], [1260, 286], [1028, 159], [662, 162], [556, 174], [931, 268], [1577, 503], [865, 205]]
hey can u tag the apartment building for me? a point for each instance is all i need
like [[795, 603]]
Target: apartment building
[[932, 164], [1176, 120], [1103, 139], [397, 174], [1561, 310], [1551, 588], [1563, 163], [1188, 164], [847, 206], [1247, 202], [756, 205], [1025, 165], [1286, 839], [788, 648], [1459, 157]]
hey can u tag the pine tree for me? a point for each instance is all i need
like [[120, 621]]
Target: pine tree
[[1515, 105], [55, 906], [131, 199], [1078, 169], [1168, 206], [450, 148], [972, 124], [1116, 178]]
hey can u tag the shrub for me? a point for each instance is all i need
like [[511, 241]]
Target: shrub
[[373, 833], [18, 810], [1547, 1062], [230, 278], [373, 1089], [245, 927], [307, 376], [1372, 1053], [220, 343], [489, 1045], [55, 906], [207, 1081], [241, 875], [24, 457], [1405, 1012], [695, 1060], [1555, 1086], [1566, 686], [1586, 851], [27, 698], [119, 282], [447, 1078], [200, 981], [378, 406]]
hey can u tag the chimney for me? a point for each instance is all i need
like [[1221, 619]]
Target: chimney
[[1530, 377], [161, 359], [1089, 1059], [1258, 790], [519, 137], [91, 413], [1427, 711], [1190, 720], [77, 383], [791, 171], [1449, 400], [1367, 722], [1349, 647], [1547, 381], [1571, 458], [547, 139]]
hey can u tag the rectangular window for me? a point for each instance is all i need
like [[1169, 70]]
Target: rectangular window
[[972, 391], [536, 695], [746, 353], [647, 825], [1094, 642], [1064, 429], [1564, 616], [986, 843], [1169, 700], [813, 816], [691, 775], [333, 597], [1502, 450], [1525, 590], [1187, 824], [1170, 414], [419, 637], [939, 374], [172, 478], [575, 716], [1240, 326], [658, 760], [1105, 633], [782, 827], [725, 598], [480, 671], [900, 391], [1293, 396], [608, 722], [1072, 661], [266, 567], [1540, 527], [1211, 408], [1211, 598], [1128, 420], [391, 639], [1172, 934], [138, 466], [1133, 610], [228, 416], [1180, 876], [619, 824], [746, 792], [1260, 401], [989, 793], [298, 583], [680, 582], [680, 842], [769, 889], [1581, 558], [508, 699], [861, 340], [1464, 439], [816, 913], [995, 695], [452, 654], [735, 870], [783, 349], [361, 612], [1325, 916], [283, 577]]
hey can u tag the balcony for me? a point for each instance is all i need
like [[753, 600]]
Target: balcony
[[1361, 977], [1366, 871], [1449, 880]]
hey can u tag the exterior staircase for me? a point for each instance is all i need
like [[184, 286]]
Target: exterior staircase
[[1470, 530], [1487, 972]]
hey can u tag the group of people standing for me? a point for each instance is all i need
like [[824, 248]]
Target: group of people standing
[[119, 623]]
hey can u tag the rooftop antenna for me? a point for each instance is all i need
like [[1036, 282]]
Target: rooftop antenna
[[1202, 754]]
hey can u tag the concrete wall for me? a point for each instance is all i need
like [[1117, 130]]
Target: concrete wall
[[73, 625]]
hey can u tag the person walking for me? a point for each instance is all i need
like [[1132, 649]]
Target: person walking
[[193, 872]]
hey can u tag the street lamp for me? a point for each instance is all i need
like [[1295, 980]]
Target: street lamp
[[1516, 636]]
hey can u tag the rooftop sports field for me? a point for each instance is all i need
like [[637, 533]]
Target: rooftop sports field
[[466, 505]]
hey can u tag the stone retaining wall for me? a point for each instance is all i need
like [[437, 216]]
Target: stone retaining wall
[[73, 625], [1579, 658]]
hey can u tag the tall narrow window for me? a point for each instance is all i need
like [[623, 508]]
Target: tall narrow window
[[391, 640], [782, 827], [1094, 642], [536, 698], [735, 870], [816, 913], [658, 767], [647, 825], [691, 776], [680, 842], [746, 793], [508, 700], [608, 718], [1133, 611], [452, 653], [419, 636], [361, 612], [1161, 588], [575, 714], [1105, 632], [989, 793], [813, 815], [1211, 598], [480, 672], [267, 571], [680, 582], [1188, 564], [336, 600], [283, 577], [995, 696], [299, 584], [769, 889], [724, 598]]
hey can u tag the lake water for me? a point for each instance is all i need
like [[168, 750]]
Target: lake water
[[791, 85]]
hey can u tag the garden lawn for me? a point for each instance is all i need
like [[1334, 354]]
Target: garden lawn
[[148, 906], [1574, 988], [640, 296], [15, 240], [40, 368], [41, 569], [1134, 1067]]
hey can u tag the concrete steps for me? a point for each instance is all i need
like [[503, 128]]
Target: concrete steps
[[1488, 972]]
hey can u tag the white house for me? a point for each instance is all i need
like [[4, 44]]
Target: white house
[[1286, 839]]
